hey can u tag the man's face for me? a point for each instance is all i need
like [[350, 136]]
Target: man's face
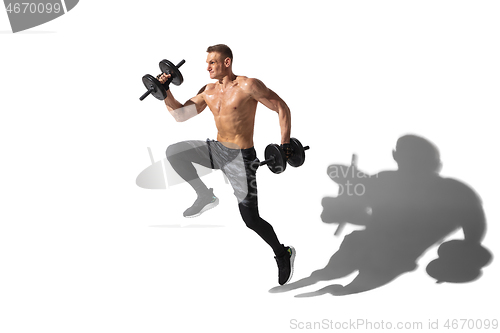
[[216, 67]]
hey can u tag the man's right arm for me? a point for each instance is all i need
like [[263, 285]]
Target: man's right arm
[[183, 112]]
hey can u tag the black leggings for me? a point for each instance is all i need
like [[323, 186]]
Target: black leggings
[[240, 168]]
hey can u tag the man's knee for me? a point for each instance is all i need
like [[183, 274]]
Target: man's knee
[[254, 224], [250, 216], [175, 150], [171, 151]]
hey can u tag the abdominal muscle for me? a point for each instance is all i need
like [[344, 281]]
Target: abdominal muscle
[[234, 115], [235, 132]]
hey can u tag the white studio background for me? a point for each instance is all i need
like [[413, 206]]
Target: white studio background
[[83, 249]]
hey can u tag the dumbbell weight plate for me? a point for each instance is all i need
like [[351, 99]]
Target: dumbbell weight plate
[[299, 154], [279, 164], [151, 82], [169, 68]]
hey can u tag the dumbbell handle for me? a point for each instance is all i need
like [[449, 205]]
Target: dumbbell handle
[[270, 159], [146, 94], [180, 63]]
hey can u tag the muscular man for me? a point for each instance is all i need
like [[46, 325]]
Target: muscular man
[[233, 101]]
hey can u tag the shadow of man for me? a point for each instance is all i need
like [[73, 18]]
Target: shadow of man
[[404, 212]]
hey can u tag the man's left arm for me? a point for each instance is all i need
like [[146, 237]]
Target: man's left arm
[[270, 99]]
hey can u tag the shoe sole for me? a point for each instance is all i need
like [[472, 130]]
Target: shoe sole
[[292, 259], [204, 209]]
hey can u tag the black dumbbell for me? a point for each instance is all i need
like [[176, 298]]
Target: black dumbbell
[[276, 157], [155, 87], [298, 153]]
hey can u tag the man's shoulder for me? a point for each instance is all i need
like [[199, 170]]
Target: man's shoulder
[[250, 85], [207, 88], [243, 81], [247, 80], [246, 83]]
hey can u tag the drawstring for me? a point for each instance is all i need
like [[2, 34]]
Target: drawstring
[[210, 154]]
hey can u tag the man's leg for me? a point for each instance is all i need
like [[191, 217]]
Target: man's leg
[[250, 215], [181, 156], [284, 255], [246, 192]]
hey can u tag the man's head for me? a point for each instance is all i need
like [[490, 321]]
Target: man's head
[[219, 60]]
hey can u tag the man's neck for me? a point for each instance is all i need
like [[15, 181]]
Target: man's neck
[[227, 80]]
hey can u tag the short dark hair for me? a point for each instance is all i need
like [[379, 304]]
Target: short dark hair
[[223, 49]]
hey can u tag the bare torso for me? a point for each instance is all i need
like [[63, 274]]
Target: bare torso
[[234, 110], [233, 101]]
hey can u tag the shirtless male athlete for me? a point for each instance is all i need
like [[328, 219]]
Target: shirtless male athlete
[[233, 101]]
